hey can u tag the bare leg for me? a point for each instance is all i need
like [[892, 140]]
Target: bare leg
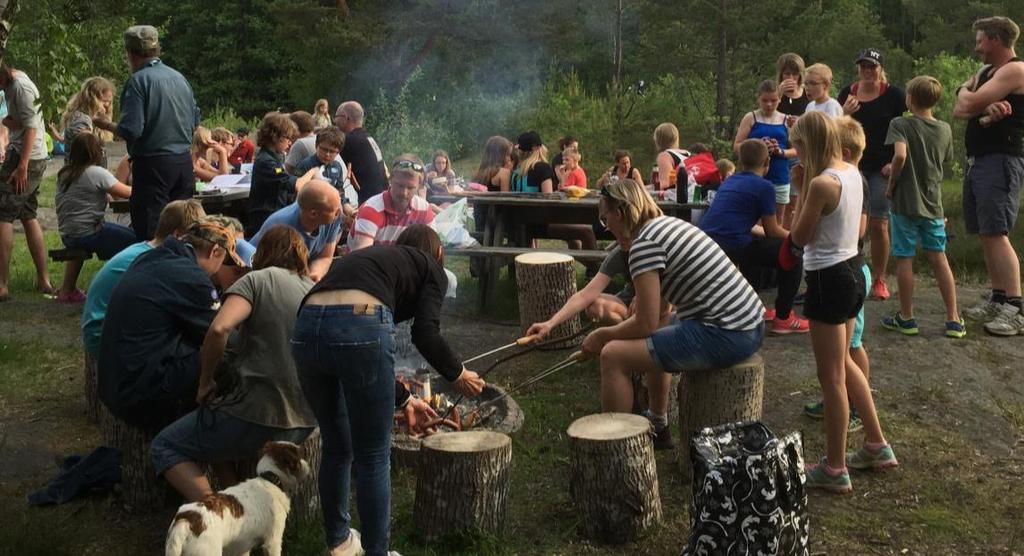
[[6, 248], [608, 310], [1003, 264], [37, 248], [947, 284], [619, 359], [859, 391], [905, 280], [829, 342], [860, 357], [879, 228], [71, 271], [188, 479]]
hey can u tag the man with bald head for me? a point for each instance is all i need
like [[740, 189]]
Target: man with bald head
[[316, 215], [361, 151]]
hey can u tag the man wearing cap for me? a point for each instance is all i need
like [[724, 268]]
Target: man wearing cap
[[316, 215], [992, 102], [158, 116], [383, 217], [361, 151], [156, 320], [874, 103]]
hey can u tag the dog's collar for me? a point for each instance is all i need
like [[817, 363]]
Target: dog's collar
[[272, 478]]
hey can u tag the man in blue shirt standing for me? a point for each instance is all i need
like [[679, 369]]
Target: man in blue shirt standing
[[158, 116], [743, 201]]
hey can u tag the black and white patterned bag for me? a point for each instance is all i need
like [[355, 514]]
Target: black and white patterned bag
[[748, 492]]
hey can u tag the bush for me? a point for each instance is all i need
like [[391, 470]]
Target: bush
[[227, 118], [951, 71]]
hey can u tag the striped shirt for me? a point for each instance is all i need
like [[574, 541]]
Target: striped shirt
[[378, 219], [696, 275]]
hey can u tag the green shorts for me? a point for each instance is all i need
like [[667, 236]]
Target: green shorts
[[15, 206]]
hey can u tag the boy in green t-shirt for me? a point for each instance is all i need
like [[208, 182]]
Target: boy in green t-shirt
[[921, 144]]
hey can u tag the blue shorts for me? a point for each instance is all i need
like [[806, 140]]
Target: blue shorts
[[856, 340], [878, 204], [689, 345], [782, 194], [215, 436], [906, 231]]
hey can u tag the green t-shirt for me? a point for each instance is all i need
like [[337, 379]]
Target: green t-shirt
[[929, 144]]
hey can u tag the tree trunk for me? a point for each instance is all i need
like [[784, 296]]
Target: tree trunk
[[613, 477], [91, 386], [717, 397], [721, 113], [141, 489], [546, 281], [462, 483], [305, 506]]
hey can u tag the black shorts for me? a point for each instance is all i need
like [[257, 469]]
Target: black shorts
[[835, 294]]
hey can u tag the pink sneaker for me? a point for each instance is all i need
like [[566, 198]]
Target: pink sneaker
[[769, 314], [75, 297], [879, 290], [793, 325]]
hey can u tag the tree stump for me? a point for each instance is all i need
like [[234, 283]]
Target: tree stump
[[613, 477], [141, 488], [546, 281], [462, 483], [715, 397], [90, 383], [306, 500]]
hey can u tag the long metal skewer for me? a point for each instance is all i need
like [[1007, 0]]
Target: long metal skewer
[[557, 367], [524, 341]]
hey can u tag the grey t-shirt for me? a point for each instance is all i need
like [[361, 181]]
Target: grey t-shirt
[[77, 123], [23, 105], [82, 203], [617, 263], [301, 150], [271, 395]]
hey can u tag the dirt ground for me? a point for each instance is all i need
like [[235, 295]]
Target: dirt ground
[[952, 409]]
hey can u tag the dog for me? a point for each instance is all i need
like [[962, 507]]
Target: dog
[[240, 518]]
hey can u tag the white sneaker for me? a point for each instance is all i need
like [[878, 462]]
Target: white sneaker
[[984, 311], [1009, 321], [393, 553], [354, 548]]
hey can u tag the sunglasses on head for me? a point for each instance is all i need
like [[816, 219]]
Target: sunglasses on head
[[408, 165]]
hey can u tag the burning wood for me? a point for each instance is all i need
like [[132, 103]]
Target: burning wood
[[464, 416]]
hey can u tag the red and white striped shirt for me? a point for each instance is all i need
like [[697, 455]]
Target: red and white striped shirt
[[378, 219]]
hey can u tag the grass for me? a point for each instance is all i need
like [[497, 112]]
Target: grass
[[958, 490]]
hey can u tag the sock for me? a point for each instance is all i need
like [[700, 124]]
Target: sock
[[998, 296], [1015, 301], [875, 447], [780, 316], [659, 421], [834, 471]]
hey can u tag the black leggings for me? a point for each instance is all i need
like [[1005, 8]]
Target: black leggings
[[763, 252]]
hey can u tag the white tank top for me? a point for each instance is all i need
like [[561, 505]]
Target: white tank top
[[835, 240]]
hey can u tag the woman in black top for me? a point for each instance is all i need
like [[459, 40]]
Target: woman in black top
[[343, 346], [793, 97], [874, 103]]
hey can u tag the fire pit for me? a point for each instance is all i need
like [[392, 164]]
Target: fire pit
[[503, 415]]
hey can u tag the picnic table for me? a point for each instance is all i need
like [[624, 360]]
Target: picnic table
[[230, 202], [509, 214]]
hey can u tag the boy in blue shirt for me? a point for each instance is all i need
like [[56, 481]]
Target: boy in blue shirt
[[921, 145], [744, 201]]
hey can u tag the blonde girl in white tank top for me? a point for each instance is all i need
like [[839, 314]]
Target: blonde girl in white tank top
[[826, 222]]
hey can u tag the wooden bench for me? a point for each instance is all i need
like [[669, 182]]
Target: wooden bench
[[63, 255], [509, 253]]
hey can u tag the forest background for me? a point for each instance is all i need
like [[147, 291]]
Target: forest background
[[450, 73]]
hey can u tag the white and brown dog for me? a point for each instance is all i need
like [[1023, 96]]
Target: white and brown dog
[[240, 518]]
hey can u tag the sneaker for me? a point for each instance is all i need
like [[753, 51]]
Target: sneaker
[[1009, 321], [898, 323], [354, 548], [769, 315], [879, 290], [73, 297], [855, 423], [815, 410], [662, 438], [983, 312], [792, 325], [866, 459], [818, 477], [956, 329]]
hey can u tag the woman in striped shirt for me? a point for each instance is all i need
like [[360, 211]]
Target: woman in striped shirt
[[718, 318]]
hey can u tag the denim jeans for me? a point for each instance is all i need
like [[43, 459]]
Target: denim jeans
[[690, 345], [346, 365], [106, 242]]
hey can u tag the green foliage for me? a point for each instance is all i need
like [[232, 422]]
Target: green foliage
[[227, 118], [951, 71]]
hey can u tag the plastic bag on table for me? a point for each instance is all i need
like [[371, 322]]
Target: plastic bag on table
[[748, 492], [450, 225]]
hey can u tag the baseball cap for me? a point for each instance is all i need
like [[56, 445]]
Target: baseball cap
[[141, 37], [872, 55], [245, 251], [218, 235], [528, 141]]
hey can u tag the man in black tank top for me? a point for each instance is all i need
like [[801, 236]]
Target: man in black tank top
[[993, 103]]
